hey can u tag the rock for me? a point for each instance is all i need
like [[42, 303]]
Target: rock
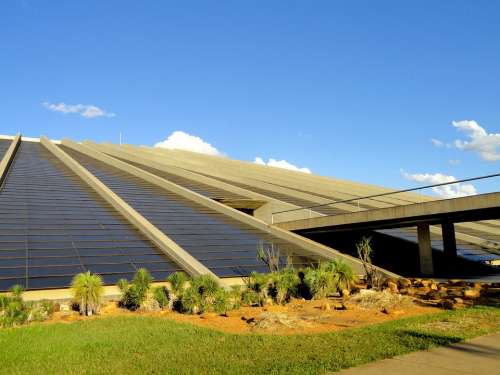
[[404, 283], [326, 306], [458, 300], [454, 282], [345, 293], [411, 291], [442, 288], [149, 304], [403, 291], [64, 307], [471, 293], [392, 286], [447, 304], [391, 311], [433, 286], [477, 286], [454, 292], [425, 283]]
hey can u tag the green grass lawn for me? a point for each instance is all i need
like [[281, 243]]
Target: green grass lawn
[[146, 345]]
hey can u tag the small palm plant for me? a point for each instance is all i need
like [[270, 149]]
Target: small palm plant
[[177, 282], [286, 284], [343, 276], [87, 291], [319, 281], [142, 281], [17, 292], [260, 284]]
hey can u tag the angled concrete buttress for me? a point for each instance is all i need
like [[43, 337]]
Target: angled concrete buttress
[[169, 247], [8, 157]]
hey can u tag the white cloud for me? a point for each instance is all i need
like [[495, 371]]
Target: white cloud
[[437, 142], [486, 145], [180, 140], [446, 191], [280, 164], [85, 110]]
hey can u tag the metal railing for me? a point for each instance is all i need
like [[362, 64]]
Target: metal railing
[[311, 209]]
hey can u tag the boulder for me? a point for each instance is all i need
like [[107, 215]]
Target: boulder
[[326, 306], [471, 293], [392, 286], [404, 283]]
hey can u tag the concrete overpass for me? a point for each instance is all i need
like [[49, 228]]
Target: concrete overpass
[[444, 212]]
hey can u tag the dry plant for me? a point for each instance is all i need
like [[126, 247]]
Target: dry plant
[[374, 277], [270, 255], [372, 299]]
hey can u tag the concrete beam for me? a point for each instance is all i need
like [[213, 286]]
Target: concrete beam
[[164, 243], [425, 250], [460, 209], [9, 157]]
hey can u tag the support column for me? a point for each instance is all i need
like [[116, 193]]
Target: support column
[[449, 240], [425, 249]]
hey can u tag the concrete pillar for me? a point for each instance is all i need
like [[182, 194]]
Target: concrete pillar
[[425, 249], [449, 240]]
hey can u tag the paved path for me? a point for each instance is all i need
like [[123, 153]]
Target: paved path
[[477, 356]]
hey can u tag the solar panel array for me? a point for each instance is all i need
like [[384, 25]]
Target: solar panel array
[[52, 226], [224, 245]]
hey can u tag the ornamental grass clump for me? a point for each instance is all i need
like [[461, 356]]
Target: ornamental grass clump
[[177, 283], [328, 278], [134, 294], [285, 284], [87, 291]]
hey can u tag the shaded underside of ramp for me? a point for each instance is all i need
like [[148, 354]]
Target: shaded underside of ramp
[[226, 246], [52, 226]]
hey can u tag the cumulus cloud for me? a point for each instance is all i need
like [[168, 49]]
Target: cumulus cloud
[[280, 164], [85, 110], [487, 145], [180, 140], [447, 191]]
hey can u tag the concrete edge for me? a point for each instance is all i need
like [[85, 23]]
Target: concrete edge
[[114, 151], [313, 247], [9, 157], [164, 243]]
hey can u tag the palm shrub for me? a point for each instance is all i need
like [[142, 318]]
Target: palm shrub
[[319, 281], [235, 296], [260, 284], [134, 293], [191, 301], [285, 284], [201, 295], [222, 302], [87, 291], [343, 276], [142, 281], [177, 282], [160, 294]]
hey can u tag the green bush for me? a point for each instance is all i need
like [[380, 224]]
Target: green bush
[[87, 292], [342, 274], [334, 276], [160, 294], [319, 281], [285, 285], [177, 283], [134, 293], [191, 301], [14, 311], [260, 284]]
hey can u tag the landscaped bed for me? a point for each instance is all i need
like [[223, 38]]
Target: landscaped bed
[[137, 344]]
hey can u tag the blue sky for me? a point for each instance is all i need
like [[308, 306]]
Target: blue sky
[[352, 89]]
